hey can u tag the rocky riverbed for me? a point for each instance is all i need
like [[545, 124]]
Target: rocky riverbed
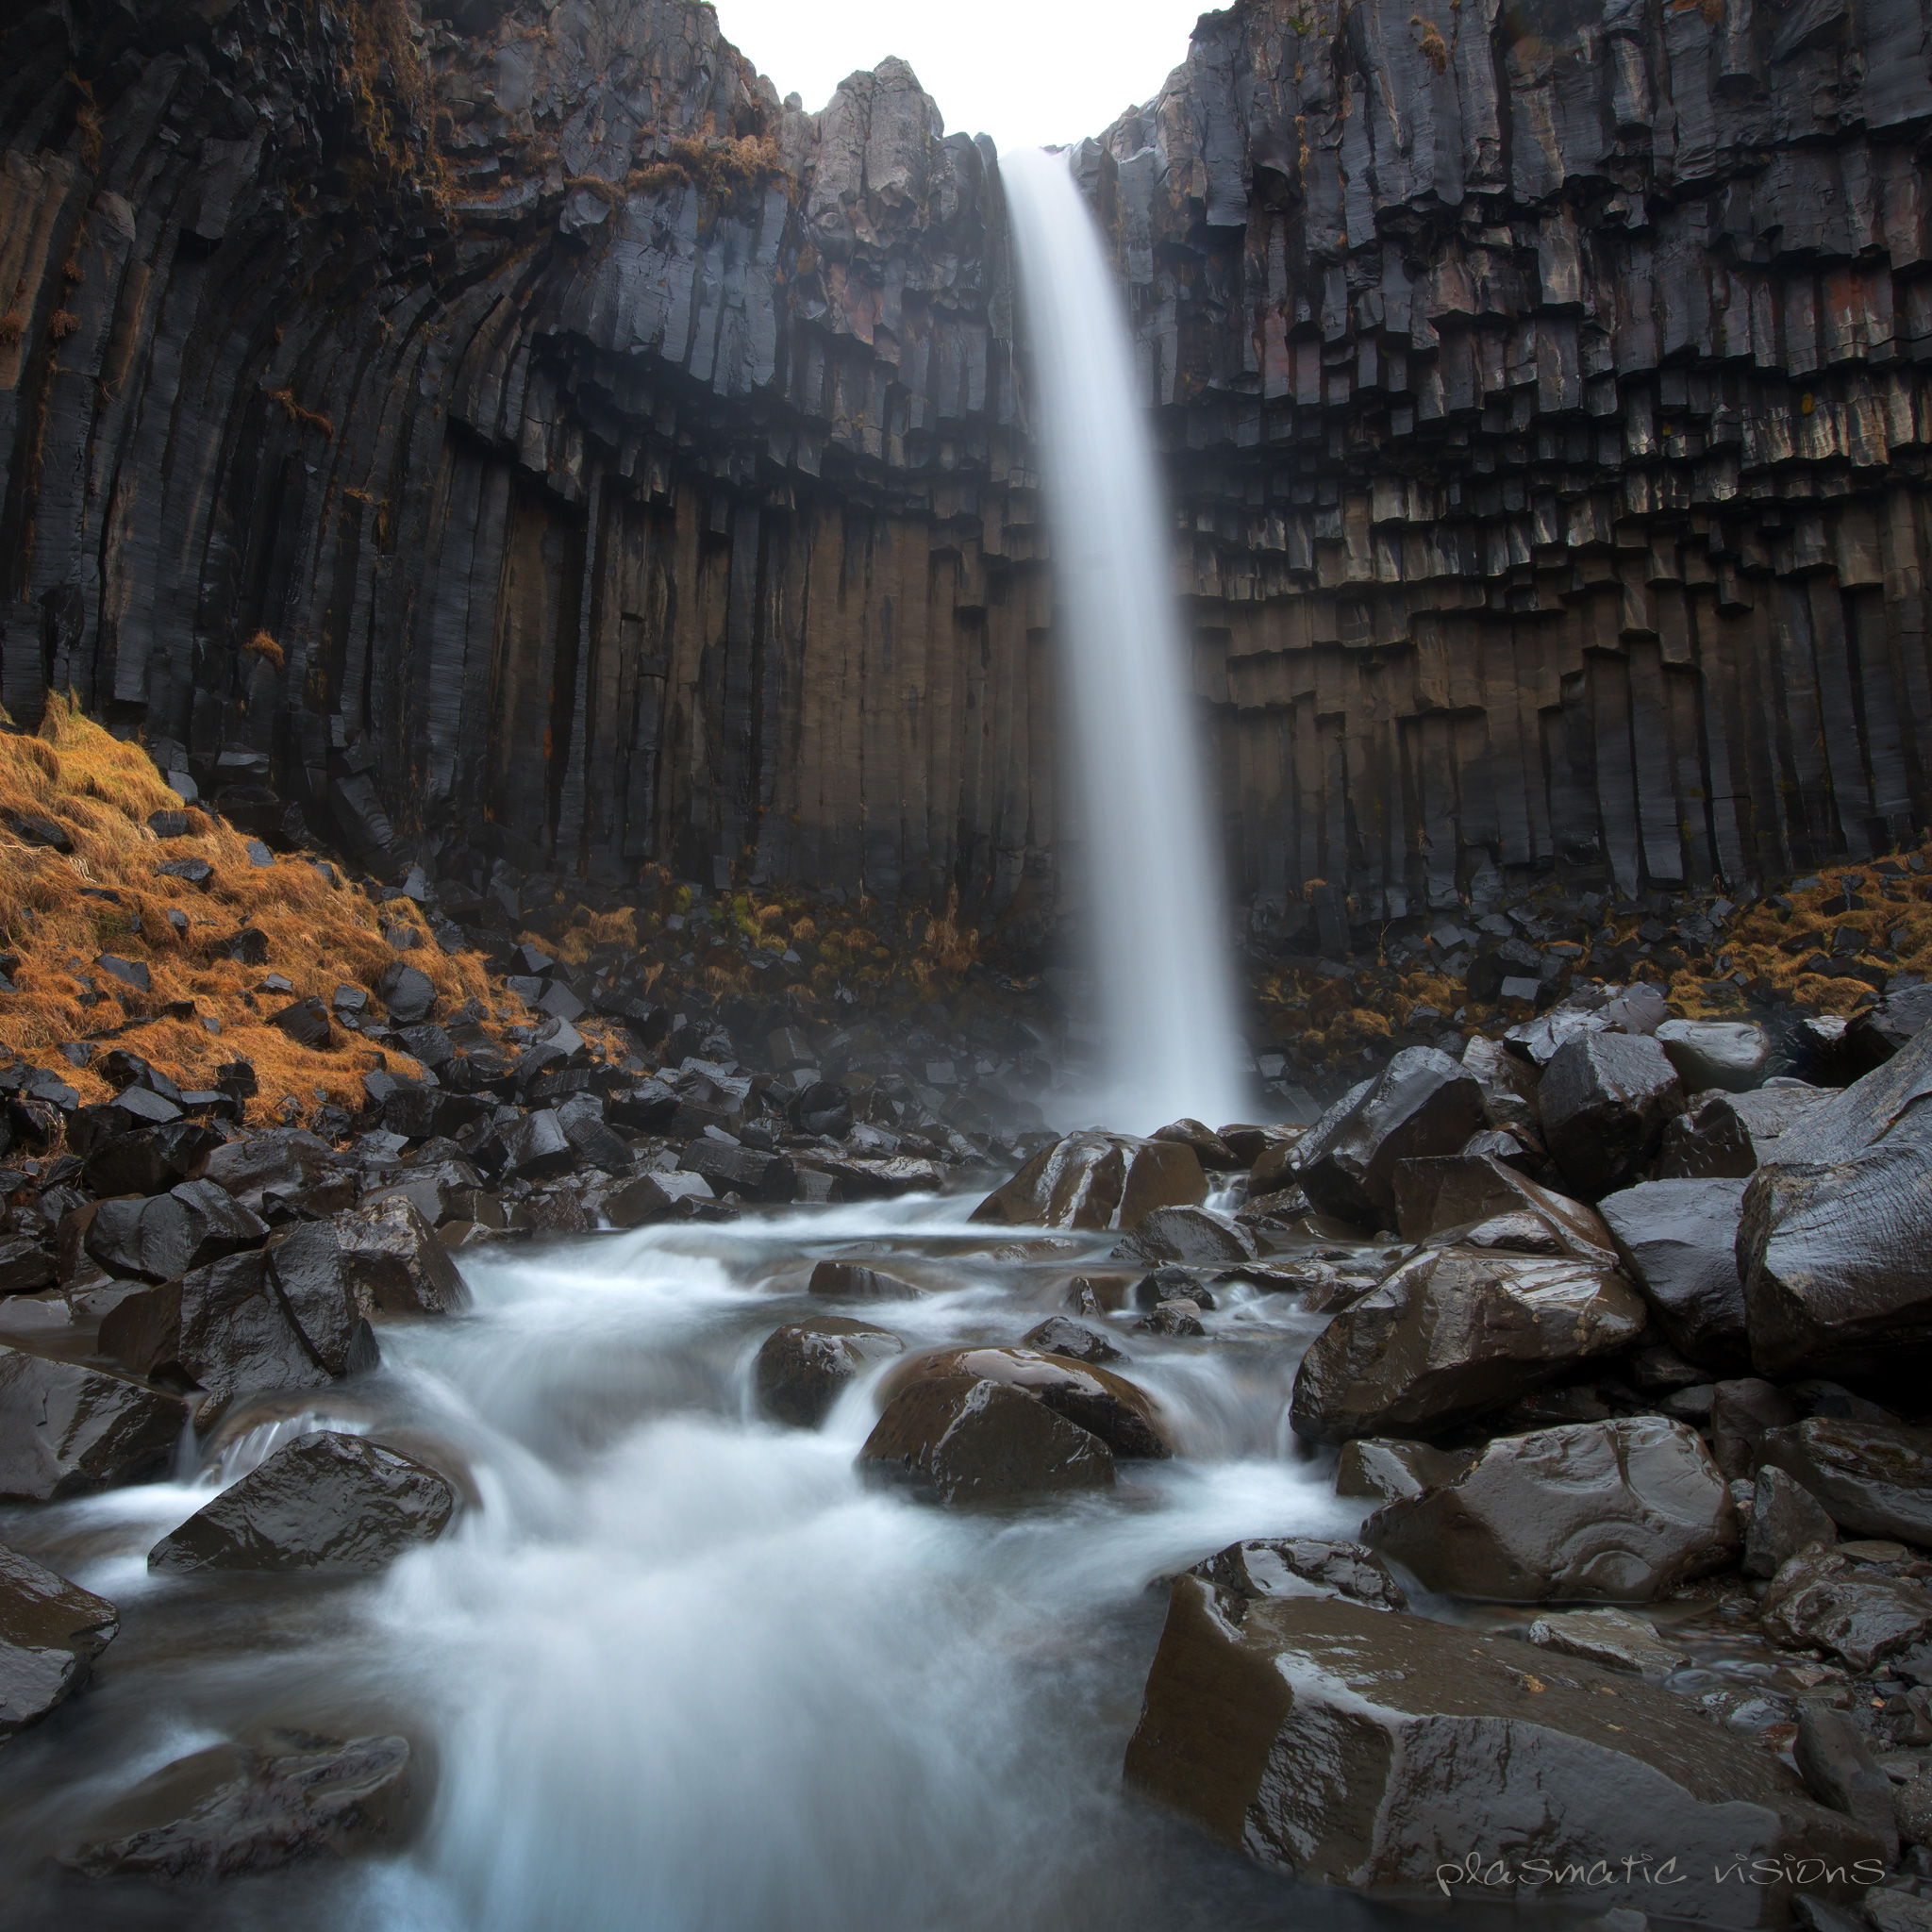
[[1502, 1488]]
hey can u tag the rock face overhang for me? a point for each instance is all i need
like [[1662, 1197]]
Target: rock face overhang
[[624, 465]]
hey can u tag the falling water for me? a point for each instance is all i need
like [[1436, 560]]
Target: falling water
[[1160, 925]]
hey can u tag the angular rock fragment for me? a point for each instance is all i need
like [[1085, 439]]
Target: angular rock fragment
[[1097, 1180], [1873, 1477], [1452, 1333], [166, 1234], [1464, 1190], [749, 1171], [1605, 1100], [1742, 1413], [649, 1197], [1611, 1638], [1882, 1030], [66, 1430], [1368, 1748], [1820, 1599], [1785, 1519], [804, 1368], [51, 1631], [1381, 1469], [1210, 1150], [1616, 1510], [1247, 1573], [1103, 1404], [851, 1282], [1058, 1336], [961, 1440], [327, 1502], [1508, 1089], [408, 993], [1678, 1242], [1731, 1135], [393, 1263], [306, 1265], [1839, 1771], [1734, 1054], [1423, 1104], [1190, 1236]]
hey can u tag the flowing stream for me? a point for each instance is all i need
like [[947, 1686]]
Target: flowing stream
[[1158, 923], [675, 1667]]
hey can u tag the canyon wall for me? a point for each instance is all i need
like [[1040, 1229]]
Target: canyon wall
[[511, 431]]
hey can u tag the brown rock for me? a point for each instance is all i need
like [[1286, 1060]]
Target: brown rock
[[1097, 1180], [1874, 1477], [964, 1440], [1821, 1600], [803, 1368], [393, 1264], [66, 1430], [1606, 1098], [1103, 1404]]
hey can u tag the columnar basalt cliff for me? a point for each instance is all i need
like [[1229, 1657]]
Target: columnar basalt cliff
[[511, 431]]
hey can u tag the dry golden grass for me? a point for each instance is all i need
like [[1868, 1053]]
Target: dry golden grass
[[321, 933]]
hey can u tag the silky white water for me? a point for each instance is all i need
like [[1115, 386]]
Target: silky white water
[[1159, 934], [678, 1670]]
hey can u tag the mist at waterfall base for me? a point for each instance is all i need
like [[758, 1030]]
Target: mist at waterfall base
[[1157, 930]]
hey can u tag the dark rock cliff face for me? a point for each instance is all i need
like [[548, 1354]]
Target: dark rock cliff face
[[516, 433]]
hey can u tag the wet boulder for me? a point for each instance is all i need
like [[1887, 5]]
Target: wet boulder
[[51, 1631], [146, 1160], [851, 1281], [1372, 1749], [1839, 1771], [1732, 1135], [649, 1197], [1464, 1190], [26, 1266], [1885, 1029], [327, 1502], [222, 1329], [1097, 1180], [1097, 1400], [1253, 1571], [1678, 1242], [1620, 1510], [1785, 1518], [1891, 1105], [1421, 1104], [306, 1265], [1070, 1339], [1210, 1150], [1380, 1468], [166, 1234], [749, 1171], [1735, 1055], [393, 1263], [67, 1430], [1873, 1477], [1821, 1600], [1606, 1098], [234, 1808], [1191, 1236], [1612, 1638], [409, 993], [803, 1368], [1452, 1333], [1742, 1412], [1508, 1089], [963, 1441]]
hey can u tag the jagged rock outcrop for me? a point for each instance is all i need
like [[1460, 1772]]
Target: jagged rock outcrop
[[521, 441]]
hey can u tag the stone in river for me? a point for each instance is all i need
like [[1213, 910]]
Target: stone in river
[[1612, 1638], [66, 1430], [393, 1263], [1620, 1510], [233, 1808], [51, 1631], [1447, 1192], [848, 1281], [1820, 1599], [1606, 1098], [1097, 1180], [1302, 1566], [1678, 1242], [1106, 1405], [327, 1502], [1210, 1150], [1188, 1235], [1873, 1477], [803, 1368], [964, 1440], [1380, 1468], [1454, 1332], [1369, 1748], [1058, 1336]]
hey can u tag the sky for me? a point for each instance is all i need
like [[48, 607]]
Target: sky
[[1029, 73]]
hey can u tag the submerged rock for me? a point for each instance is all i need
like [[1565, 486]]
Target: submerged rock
[[962, 1440], [1455, 1332], [327, 1502], [1368, 1748], [1103, 1404], [51, 1631], [233, 1808], [66, 1430], [1618, 1511], [1058, 1336], [1097, 1180], [1190, 1236], [804, 1368], [848, 1281], [1611, 1638]]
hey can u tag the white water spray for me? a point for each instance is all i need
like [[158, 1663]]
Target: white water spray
[[1160, 923]]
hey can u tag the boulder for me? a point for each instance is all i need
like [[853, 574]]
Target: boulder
[[51, 1631], [1103, 1404], [803, 1368], [1730, 1136], [1191, 1237], [1464, 1190], [1874, 1478], [306, 1265], [1606, 1098], [1678, 1242], [157, 1239], [66, 1430], [1454, 1332], [146, 1160], [1508, 1089], [1889, 1105], [233, 1808], [1210, 1150], [223, 1329], [848, 1281], [25, 1267], [1839, 1771], [1612, 1638], [1832, 1256], [1421, 1104], [409, 993], [1058, 1336], [1785, 1518], [1367, 1748], [1381, 1469], [393, 1263], [1821, 1600], [1620, 1510], [1734, 1054], [1302, 1566], [326, 1502], [1883, 1029], [1097, 1180], [1742, 1412], [964, 1440], [748, 1172]]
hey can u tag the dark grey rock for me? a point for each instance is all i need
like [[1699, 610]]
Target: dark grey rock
[[1734, 1054], [1058, 1336], [1821, 1600], [51, 1631], [1249, 1573], [66, 1430], [1874, 1477], [393, 1264], [1605, 1100], [1678, 1242], [1191, 1236], [1839, 1771], [1785, 1519]]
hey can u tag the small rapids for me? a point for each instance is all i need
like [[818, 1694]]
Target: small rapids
[[677, 1667]]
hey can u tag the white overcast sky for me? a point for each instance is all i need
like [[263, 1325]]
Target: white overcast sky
[[1029, 73]]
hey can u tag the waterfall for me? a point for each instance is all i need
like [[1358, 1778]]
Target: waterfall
[[1158, 928]]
